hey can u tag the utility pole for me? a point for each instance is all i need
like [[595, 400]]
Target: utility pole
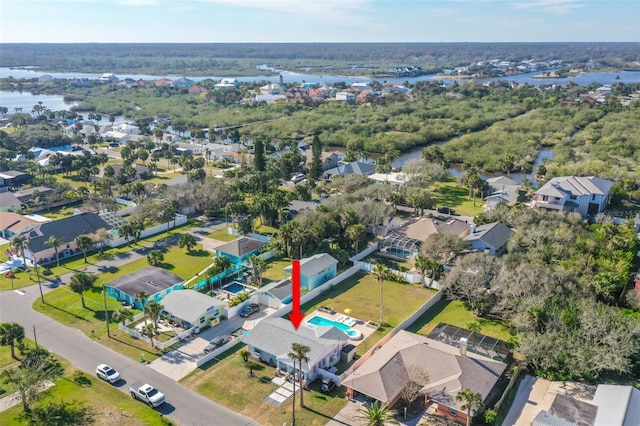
[[106, 312], [35, 338], [35, 262]]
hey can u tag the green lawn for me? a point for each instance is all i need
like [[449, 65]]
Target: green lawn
[[452, 195], [226, 381], [6, 362], [65, 306], [221, 235], [453, 312], [275, 269], [108, 404]]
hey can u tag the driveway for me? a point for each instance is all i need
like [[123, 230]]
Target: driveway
[[182, 361]]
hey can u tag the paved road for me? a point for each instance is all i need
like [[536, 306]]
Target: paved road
[[183, 405]]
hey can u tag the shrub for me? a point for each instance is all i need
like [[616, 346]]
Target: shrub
[[239, 299]]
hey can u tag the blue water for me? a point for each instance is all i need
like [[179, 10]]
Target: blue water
[[324, 322], [399, 252], [234, 288]]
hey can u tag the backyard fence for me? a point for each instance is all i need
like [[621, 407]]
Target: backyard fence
[[158, 344], [406, 276], [364, 253], [403, 325], [259, 237]]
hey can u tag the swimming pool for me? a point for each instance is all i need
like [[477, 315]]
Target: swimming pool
[[325, 322], [236, 288], [398, 252]]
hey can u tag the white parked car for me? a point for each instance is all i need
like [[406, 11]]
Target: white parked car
[[107, 373]]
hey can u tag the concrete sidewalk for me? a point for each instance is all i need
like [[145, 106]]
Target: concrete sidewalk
[[14, 399]]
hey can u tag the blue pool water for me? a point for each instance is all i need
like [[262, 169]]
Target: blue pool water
[[234, 288], [399, 252], [324, 322]]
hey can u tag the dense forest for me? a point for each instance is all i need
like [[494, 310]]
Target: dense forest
[[225, 59]]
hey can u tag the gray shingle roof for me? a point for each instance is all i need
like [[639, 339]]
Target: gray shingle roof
[[493, 234], [8, 199], [241, 246], [311, 266], [353, 168], [279, 289], [382, 376], [276, 335], [189, 305], [68, 228], [150, 279]]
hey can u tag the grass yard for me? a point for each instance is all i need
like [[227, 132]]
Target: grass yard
[[22, 279], [275, 269], [108, 405], [6, 363], [65, 306], [221, 235], [452, 195], [226, 382], [454, 312]]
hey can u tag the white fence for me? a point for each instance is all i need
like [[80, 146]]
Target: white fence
[[259, 237], [211, 355], [160, 345], [403, 325], [406, 276], [180, 220], [366, 252], [328, 375]]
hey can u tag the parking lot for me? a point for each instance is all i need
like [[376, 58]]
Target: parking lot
[[182, 361]]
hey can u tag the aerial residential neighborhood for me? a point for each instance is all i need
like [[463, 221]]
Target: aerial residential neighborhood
[[185, 250]]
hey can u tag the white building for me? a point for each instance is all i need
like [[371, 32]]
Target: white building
[[345, 96]]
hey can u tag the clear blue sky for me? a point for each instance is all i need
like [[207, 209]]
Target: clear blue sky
[[211, 21]]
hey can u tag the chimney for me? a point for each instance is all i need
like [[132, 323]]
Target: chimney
[[463, 346], [472, 229]]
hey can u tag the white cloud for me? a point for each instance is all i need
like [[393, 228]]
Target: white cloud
[[137, 2], [557, 7]]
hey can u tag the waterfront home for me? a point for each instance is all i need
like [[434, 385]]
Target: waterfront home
[[587, 196]]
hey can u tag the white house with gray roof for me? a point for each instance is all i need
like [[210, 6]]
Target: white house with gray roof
[[192, 308], [587, 196], [491, 238], [502, 190], [271, 340]]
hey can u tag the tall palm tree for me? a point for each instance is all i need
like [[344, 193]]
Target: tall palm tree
[[472, 400], [142, 297], [422, 264], [122, 315], [149, 331], [299, 352], [258, 265], [55, 242], [153, 310], [377, 414], [10, 334], [19, 244], [380, 272], [84, 243], [80, 283]]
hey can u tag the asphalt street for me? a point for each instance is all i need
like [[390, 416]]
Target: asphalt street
[[183, 405]]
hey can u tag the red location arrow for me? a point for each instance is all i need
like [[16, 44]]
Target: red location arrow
[[295, 316]]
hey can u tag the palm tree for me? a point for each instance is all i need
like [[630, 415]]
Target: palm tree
[[122, 315], [10, 334], [422, 263], [126, 231], [55, 242], [19, 244], [155, 257], [142, 297], [377, 414], [258, 265], [299, 352], [80, 283], [472, 400], [188, 241], [380, 272], [84, 243], [149, 331], [153, 310]]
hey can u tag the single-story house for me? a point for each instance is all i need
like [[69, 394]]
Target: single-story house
[[587, 196], [14, 179], [154, 281], [448, 371], [67, 229], [353, 168], [406, 241], [141, 171], [27, 195], [191, 308], [9, 202], [271, 340], [501, 190], [329, 159], [13, 224], [315, 270], [276, 294], [492, 238], [393, 178], [240, 249], [345, 96]]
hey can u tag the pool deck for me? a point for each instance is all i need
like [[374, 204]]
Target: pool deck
[[359, 325]]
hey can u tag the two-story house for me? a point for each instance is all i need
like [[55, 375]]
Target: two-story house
[[587, 196]]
